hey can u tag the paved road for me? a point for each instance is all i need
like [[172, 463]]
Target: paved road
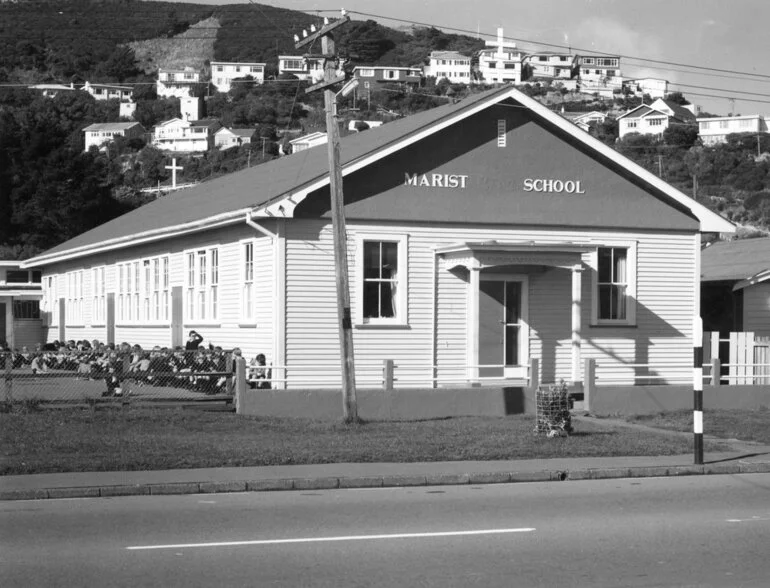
[[692, 531]]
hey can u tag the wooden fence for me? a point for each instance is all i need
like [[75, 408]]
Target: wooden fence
[[744, 356]]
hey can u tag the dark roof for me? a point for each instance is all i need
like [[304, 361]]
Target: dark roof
[[680, 112], [735, 260], [253, 186]]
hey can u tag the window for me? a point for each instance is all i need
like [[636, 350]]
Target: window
[[50, 302], [74, 304], [219, 68], [143, 291], [99, 303], [366, 73], [631, 124], [655, 122], [247, 277], [382, 292], [16, 277], [723, 124], [255, 69], [294, 64], [391, 74], [202, 284], [615, 285], [26, 309]]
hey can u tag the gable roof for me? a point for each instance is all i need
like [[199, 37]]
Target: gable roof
[[113, 126], [745, 260], [678, 110], [237, 132], [276, 188]]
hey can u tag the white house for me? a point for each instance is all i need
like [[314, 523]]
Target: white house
[[653, 87], [481, 235], [98, 134], [177, 83], [654, 119], [308, 141], [551, 65], [451, 65], [370, 74], [304, 68], [715, 130], [20, 295], [109, 91], [187, 136], [600, 74], [225, 138], [501, 64], [51, 90], [224, 72], [584, 119]]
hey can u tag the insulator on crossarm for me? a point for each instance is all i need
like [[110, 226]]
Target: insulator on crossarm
[[312, 28], [326, 21], [296, 38], [304, 33], [344, 12]]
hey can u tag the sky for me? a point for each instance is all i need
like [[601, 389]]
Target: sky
[[728, 35]]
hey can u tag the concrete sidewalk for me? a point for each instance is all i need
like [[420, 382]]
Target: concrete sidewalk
[[743, 458]]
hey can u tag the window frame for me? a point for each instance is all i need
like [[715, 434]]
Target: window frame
[[74, 298], [631, 248], [137, 300], [98, 295], [401, 320], [201, 303], [248, 311]]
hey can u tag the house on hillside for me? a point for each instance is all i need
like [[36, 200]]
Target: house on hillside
[[370, 74], [714, 130], [308, 141], [584, 119], [302, 67], [481, 235], [653, 87], [655, 118], [735, 286], [109, 92], [501, 62], [187, 136], [600, 74], [20, 295], [51, 90], [98, 134], [224, 72], [551, 65], [177, 83], [451, 65], [225, 138]]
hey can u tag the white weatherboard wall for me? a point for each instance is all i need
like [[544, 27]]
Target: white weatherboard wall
[[665, 303], [228, 331]]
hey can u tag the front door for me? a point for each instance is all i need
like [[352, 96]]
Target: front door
[[503, 329]]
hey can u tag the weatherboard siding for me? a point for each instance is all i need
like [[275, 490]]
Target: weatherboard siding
[[756, 309], [661, 336]]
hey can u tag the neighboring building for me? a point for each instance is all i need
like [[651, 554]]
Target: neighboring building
[[109, 92], [127, 109], [308, 141], [304, 68], [223, 73], [654, 119], [98, 134], [177, 83], [600, 74], [191, 108], [480, 235], [225, 138], [715, 130], [187, 136], [653, 87], [451, 65], [21, 292], [372, 124], [51, 90], [584, 119], [366, 74], [735, 286], [502, 63], [552, 66]]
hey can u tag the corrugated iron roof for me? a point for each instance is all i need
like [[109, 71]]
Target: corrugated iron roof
[[735, 260]]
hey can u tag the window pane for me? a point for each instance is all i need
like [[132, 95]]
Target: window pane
[[605, 264], [371, 299], [389, 260], [512, 301], [371, 260]]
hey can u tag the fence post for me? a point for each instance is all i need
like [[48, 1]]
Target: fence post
[[387, 374], [534, 373], [8, 377], [240, 383], [716, 372], [589, 383]]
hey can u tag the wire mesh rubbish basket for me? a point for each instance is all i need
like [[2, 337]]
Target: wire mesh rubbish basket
[[553, 410]]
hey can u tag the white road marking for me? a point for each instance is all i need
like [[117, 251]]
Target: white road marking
[[329, 539]]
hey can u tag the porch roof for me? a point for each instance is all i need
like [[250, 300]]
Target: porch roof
[[485, 254]]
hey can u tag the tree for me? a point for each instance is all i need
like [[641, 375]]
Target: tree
[[680, 135], [677, 98]]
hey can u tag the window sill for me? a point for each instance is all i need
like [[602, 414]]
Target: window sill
[[142, 325], [247, 325], [201, 324], [613, 326], [382, 326]]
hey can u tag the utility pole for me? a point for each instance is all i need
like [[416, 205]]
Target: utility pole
[[330, 79], [660, 166]]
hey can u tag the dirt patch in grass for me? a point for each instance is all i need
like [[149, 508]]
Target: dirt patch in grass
[[146, 439], [745, 425]]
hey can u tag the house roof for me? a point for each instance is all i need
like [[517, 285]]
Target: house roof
[[276, 187], [112, 126], [238, 132], [743, 259], [113, 86], [447, 55], [679, 111], [641, 111], [308, 138]]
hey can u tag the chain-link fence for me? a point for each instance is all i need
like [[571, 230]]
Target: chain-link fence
[[107, 374]]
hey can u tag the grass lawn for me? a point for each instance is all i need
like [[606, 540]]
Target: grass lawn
[[146, 438], [746, 425]]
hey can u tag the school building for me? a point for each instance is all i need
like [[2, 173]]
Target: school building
[[480, 235]]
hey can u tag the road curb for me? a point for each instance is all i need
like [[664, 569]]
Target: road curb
[[390, 481]]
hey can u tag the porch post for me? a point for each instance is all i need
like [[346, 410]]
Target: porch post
[[577, 274], [473, 323]]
